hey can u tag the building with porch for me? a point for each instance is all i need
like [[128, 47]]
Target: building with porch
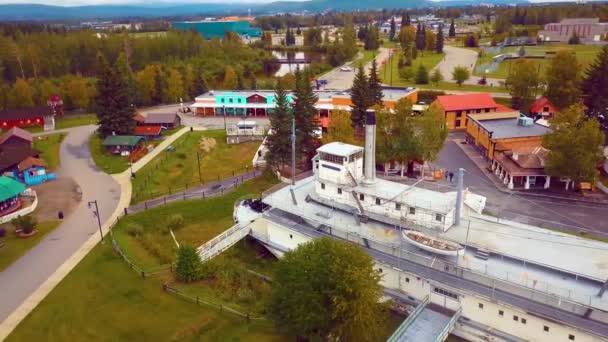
[[10, 190], [122, 144], [500, 132], [456, 108], [522, 168], [249, 103], [542, 108]]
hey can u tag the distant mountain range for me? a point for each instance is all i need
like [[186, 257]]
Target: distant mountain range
[[37, 12]]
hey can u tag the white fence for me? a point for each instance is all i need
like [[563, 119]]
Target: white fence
[[23, 211]]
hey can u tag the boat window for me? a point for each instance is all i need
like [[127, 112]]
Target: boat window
[[412, 211], [438, 217], [323, 186], [523, 321], [397, 206], [480, 306], [571, 337], [501, 313], [361, 197], [515, 318], [377, 201], [445, 293], [546, 328], [339, 191]]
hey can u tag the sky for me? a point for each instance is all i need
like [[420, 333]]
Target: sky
[[123, 2]]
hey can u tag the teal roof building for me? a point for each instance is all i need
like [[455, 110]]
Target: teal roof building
[[213, 29]]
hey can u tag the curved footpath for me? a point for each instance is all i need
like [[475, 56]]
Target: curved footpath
[[455, 56], [32, 277]]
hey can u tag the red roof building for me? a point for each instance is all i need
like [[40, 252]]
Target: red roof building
[[544, 108], [147, 131], [456, 107], [24, 117]]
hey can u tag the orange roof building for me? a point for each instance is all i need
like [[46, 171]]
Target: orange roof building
[[544, 108], [457, 107]]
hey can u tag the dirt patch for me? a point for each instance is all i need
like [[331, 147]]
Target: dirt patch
[[207, 144], [62, 194]]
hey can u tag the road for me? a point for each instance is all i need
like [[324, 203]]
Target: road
[[548, 212], [25, 275], [337, 79], [455, 56]]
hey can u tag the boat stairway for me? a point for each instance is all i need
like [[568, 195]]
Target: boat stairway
[[482, 254], [428, 322]]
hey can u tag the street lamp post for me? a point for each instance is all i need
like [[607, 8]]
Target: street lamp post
[[224, 117], [96, 213]]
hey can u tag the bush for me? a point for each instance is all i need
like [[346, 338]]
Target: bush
[[181, 155], [175, 222], [422, 75], [406, 73], [2, 232], [189, 265], [26, 224], [135, 230]]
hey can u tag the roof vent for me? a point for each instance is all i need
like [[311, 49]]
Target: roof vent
[[525, 121]]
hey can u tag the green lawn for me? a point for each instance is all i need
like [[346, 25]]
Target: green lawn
[[205, 219], [103, 300], [368, 55], [15, 247], [584, 53], [107, 162], [177, 169], [429, 60], [48, 145], [68, 121]]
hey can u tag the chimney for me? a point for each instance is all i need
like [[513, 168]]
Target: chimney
[[370, 147]]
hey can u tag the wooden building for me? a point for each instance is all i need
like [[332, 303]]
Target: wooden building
[[27, 117], [457, 107], [122, 144]]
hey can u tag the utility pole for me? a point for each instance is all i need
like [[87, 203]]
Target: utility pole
[[198, 159], [96, 214], [293, 151], [224, 110], [460, 176]]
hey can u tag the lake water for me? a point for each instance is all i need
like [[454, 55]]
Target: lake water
[[286, 68]]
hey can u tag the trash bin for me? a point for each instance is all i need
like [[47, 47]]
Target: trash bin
[[60, 215]]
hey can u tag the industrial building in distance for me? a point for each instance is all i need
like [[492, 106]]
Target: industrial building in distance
[[216, 28]]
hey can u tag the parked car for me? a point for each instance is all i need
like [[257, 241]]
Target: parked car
[[346, 68]]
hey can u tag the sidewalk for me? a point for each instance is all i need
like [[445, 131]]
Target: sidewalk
[[483, 164]]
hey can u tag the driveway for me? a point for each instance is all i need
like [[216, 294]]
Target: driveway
[[209, 122], [455, 56], [24, 276], [547, 212], [343, 80]]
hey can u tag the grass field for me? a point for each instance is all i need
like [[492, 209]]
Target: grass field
[[389, 73], [368, 55], [178, 169], [75, 120], [15, 247], [204, 220], [107, 162], [584, 53], [48, 145]]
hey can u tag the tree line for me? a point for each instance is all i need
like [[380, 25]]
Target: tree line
[[164, 68]]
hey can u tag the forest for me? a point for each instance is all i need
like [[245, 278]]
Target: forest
[[36, 64]]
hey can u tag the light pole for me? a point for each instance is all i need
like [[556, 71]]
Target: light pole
[[96, 214], [132, 173], [224, 109]]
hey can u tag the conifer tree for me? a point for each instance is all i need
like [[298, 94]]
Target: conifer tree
[[422, 75], [595, 88], [125, 72], [452, 32], [393, 31], [374, 84], [254, 83], [305, 113], [200, 85], [278, 142], [359, 94], [240, 83], [439, 40], [114, 112], [405, 19]]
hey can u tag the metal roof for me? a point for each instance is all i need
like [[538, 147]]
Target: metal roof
[[160, 118], [122, 140], [339, 149], [10, 188], [16, 132], [508, 128]]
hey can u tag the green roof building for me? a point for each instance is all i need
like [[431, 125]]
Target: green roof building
[[10, 189], [213, 29]]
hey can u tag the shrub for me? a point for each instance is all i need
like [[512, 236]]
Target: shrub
[[189, 266], [175, 222], [2, 232], [422, 75], [181, 155], [26, 224], [135, 230], [406, 73]]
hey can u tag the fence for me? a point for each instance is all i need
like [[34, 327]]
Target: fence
[[143, 192], [198, 193], [198, 301]]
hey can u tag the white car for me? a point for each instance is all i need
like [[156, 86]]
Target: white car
[[346, 68]]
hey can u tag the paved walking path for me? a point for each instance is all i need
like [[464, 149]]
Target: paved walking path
[[455, 56], [32, 277], [337, 79]]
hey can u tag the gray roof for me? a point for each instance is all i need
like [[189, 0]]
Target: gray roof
[[390, 93], [339, 149], [160, 118], [508, 128]]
